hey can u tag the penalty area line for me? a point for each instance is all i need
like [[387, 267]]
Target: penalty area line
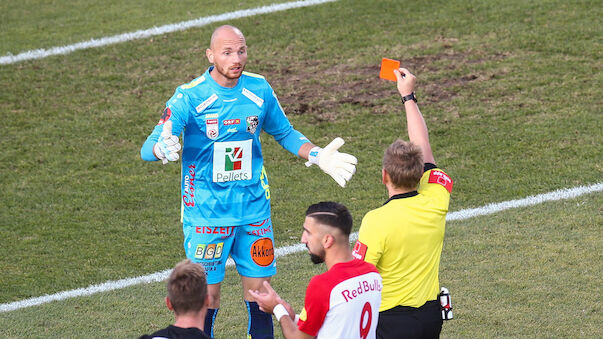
[[146, 33], [561, 194]]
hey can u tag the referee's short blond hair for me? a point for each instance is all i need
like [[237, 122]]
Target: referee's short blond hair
[[403, 162]]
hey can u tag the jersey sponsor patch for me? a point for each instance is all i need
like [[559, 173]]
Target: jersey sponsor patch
[[262, 252], [359, 251], [210, 251], [188, 192], [232, 161], [219, 248], [200, 251], [212, 129], [222, 230], [165, 116], [251, 96], [439, 177], [261, 228], [356, 287], [205, 104], [228, 122]]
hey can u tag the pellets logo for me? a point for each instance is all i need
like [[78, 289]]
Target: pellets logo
[[232, 159], [165, 116], [200, 250], [262, 252]]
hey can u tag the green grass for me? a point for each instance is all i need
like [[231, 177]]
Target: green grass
[[511, 93], [520, 273], [33, 24]]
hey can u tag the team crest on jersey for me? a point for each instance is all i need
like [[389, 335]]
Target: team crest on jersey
[[252, 123], [165, 116], [211, 128]]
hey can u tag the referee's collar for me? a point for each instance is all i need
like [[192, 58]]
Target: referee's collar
[[402, 196]]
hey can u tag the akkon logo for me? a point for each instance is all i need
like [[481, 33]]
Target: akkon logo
[[232, 158]]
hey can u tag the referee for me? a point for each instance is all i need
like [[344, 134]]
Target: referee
[[404, 237]]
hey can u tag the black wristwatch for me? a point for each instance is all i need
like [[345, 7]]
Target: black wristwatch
[[411, 96]]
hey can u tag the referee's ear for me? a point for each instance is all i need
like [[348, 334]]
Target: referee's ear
[[385, 177]]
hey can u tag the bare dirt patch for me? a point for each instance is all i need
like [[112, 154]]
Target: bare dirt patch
[[315, 88]]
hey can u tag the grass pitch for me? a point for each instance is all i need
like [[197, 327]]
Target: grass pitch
[[511, 93]]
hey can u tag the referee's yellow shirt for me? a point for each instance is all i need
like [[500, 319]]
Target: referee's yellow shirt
[[404, 238]]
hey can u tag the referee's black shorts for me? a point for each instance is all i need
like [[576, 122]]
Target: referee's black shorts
[[410, 322]]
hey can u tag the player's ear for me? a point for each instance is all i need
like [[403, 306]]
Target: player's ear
[[206, 303], [168, 303], [210, 55], [328, 240]]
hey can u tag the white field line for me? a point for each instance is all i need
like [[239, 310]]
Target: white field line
[[141, 34], [561, 194]]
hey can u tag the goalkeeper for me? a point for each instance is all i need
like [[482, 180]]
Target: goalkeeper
[[225, 190]]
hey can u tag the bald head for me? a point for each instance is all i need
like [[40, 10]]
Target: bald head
[[225, 32], [228, 53]]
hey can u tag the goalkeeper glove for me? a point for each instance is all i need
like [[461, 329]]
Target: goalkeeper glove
[[167, 147], [340, 166]]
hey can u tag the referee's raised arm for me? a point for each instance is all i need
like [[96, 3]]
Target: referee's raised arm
[[417, 129]]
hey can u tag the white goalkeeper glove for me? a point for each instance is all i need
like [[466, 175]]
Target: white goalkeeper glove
[[340, 166], [167, 147]]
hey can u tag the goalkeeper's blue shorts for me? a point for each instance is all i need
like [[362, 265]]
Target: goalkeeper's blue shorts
[[251, 246]]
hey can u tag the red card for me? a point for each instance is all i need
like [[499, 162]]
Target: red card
[[387, 69]]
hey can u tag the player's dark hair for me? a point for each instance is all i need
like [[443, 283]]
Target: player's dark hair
[[403, 161], [332, 214], [187, 287]]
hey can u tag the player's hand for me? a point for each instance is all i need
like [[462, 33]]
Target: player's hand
[[167, 147], [340, 166], [266, 300], [406, 81]]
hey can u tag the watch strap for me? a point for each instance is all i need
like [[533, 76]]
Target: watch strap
[[411, 96]]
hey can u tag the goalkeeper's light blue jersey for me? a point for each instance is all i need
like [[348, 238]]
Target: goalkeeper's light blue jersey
[[224, 182]]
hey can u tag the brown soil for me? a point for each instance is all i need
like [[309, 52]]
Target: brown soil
[[313, 88]]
